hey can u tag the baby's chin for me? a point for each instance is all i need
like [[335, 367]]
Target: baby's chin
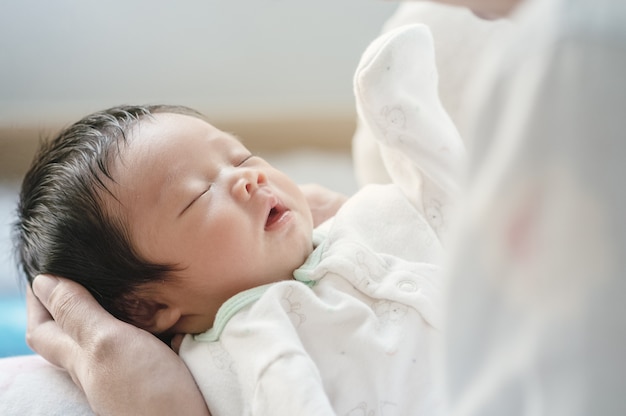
[[286, 272]]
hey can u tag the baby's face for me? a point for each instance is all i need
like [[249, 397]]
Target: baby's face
[[196, 198]]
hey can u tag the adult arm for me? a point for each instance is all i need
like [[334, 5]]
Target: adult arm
[[536, 316], [122, 369]]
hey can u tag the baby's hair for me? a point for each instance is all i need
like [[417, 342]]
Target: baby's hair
[[63, 227]]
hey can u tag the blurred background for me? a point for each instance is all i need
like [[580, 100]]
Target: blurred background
[[278, 73]]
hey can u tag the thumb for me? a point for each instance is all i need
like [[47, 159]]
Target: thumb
[[71, 306], [43, 285]]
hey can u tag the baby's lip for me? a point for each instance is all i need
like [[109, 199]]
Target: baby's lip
[[276, 214]]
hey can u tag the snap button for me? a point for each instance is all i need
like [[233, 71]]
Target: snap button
[[407, 286]]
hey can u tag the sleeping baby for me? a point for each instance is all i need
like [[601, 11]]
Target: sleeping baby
[[174, 226]]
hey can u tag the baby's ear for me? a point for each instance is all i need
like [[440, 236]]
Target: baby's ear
[[154, 317]]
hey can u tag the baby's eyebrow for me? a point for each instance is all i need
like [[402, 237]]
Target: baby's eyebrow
[[235, 136], [170, 190], [172, 177], [231, 134]]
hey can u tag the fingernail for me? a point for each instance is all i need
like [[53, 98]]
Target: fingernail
[[176, 342], [43, 285]]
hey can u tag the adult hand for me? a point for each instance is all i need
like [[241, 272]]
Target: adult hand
[[122, 369], [323, 202]]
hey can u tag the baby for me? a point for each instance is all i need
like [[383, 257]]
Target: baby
[[162, 216], [176, 227]]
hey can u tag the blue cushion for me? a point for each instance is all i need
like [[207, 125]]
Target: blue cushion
[[13, 326]]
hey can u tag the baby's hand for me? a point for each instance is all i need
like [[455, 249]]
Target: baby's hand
[[323, 202]]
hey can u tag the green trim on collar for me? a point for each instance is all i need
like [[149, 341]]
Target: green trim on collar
[[229, 309], [320, 239]]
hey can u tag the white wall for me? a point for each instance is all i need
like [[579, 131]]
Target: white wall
[[60, 59]]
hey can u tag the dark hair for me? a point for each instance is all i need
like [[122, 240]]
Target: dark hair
[[63, 227]]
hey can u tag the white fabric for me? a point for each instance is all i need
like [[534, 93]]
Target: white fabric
[[31, 386], [460, 39], [361, 340], [536, 314]]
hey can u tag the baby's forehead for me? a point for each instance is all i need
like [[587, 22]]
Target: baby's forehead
[[183, 127], [169, 145]]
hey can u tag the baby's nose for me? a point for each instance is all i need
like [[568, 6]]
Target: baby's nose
[[247, 181]]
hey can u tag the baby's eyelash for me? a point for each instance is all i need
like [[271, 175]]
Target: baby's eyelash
[[200, 195], [246, 159]]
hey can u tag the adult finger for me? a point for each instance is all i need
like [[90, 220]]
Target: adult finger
[[44, 336], [72, 307], [36, 313]]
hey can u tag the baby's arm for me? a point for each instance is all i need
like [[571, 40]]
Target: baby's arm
[[396, 88]]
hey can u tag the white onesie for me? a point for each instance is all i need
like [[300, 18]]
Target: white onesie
[[354, 332]]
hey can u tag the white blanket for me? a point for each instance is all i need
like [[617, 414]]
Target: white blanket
[[31, 386]]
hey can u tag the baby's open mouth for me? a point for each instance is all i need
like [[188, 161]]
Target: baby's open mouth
[[276, 213]]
